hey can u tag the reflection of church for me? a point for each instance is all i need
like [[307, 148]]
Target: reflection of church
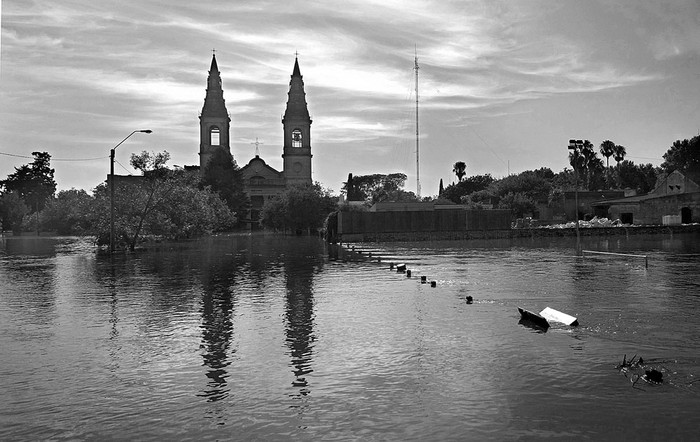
[[260, 180]]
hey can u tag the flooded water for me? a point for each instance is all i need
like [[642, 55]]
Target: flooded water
[[277, 338]]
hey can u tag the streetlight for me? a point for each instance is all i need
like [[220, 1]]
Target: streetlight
[[111, 187], [575, 146]]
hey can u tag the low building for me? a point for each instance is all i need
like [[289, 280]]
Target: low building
[[586, 200], [676, 195]]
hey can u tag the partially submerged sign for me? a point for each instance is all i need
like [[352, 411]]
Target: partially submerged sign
[[533, 318], [557, 316]]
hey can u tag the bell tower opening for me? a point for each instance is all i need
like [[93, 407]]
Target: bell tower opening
[[296, 138], [214, 136]]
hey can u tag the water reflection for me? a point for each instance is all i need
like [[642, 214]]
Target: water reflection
[[299, 316], [299, 270], [218, 277], [29, 267]]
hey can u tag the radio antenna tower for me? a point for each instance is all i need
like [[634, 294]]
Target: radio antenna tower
[[417, 130]]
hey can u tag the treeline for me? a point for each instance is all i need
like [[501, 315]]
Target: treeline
[[175, 203], [162, 202], [523, 193]]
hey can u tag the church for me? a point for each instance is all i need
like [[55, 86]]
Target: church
[[261, 181]]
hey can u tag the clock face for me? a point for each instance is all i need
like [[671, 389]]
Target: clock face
[[297, 167]]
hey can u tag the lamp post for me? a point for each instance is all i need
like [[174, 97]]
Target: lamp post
[[111, 187], [575, 146]]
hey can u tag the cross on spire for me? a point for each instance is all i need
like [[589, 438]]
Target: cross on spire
[[213, 52], [257, 147]]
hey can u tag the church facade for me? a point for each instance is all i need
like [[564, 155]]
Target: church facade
[[261, 181]]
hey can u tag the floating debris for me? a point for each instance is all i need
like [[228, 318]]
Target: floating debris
[[533, 318], [557, 316], [636, 370]]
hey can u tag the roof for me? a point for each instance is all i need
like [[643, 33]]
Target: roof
[[673, 185]]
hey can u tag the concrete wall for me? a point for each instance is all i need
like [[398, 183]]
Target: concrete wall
[[422, 221]]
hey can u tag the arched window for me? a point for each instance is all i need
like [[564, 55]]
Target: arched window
[[296, 138], [214, 136]]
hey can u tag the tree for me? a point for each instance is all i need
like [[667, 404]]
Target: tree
[[684, 156], [300, 207], [68, 213], [34, 183], [460, 169], [607, 149], [375, 188], [456, 192], [223, 175], [351, 190], [518, 203], [619, 153], [531, 183], [161, 203], [441, 188], [12, 211], [641, 178], [588, 165]]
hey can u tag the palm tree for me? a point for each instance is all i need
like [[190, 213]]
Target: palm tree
[[460, 168], [607, 149], [619, 153], [586, 162]]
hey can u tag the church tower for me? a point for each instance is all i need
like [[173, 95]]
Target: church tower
[[297, 133], [214, 119]]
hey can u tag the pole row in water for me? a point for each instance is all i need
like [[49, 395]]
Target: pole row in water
[[401, 268]]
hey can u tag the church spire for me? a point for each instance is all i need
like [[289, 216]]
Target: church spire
[[296, 103], [214, 121], [214, 103], [297, 72], [297, 132]]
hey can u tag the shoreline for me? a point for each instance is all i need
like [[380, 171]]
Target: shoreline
[[536, 232]]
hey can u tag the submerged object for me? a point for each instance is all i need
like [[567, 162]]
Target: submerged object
[[653, 376], [557, 316], [533, 318]]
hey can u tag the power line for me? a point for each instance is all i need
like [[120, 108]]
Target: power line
[[55, 159], [127, 170]]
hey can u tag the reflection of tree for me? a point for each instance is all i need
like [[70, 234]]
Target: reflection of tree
[[32, 268], [299, 269]]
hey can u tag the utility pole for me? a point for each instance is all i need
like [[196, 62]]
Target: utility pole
[[575, 146], [111, 187]]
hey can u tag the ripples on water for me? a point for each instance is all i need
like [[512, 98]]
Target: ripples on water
[[274, 338]]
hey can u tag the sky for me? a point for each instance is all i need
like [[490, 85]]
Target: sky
[[502, 84]]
